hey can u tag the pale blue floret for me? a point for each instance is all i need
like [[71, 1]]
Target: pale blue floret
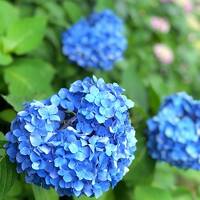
[[79, 141], [173, 134]]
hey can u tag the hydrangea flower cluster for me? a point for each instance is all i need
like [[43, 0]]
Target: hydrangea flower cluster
[[174, 133], [96, 41], [163, 53], [160, 24], [79, 141]]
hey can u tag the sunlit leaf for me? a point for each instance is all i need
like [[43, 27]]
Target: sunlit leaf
[[28, 79]]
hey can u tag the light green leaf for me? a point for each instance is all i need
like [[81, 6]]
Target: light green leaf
[[25, 35], [134, 86], [28, 79], [151, 193], [5, 59], [8, 15], [44, 194], [164, 176], [182, 194], [7, 176]]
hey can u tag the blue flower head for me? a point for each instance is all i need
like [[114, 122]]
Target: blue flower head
[[174, 133], [96, 41], [79, 141]]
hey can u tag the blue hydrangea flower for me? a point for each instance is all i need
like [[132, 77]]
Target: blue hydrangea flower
[[79, 141], [174, 133], [96, 41]]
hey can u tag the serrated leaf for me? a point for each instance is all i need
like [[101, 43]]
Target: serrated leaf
[[7, 19], [28, 79], [44, 194], [7, 176], [25, 35], [151, 193]]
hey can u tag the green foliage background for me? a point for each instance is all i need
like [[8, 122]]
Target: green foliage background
[[32, 67]]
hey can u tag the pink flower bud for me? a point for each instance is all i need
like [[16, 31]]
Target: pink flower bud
[[160, 24], [163, 53]]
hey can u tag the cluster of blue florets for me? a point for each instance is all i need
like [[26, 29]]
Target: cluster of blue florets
[[79, 141], [174, 133], [95, 42]]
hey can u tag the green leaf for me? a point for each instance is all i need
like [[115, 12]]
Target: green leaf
[[134, 86], [151, 193], [5, 59], [122, 191], [164, 176], [103, 4], [55, 12], [25, 35], [142, 169], [7, 176], [44, 194], [2, 142], [7, 115], [106, 196], [73, 10], [8, 15], [153, 99], [28, 79], [15, 190], [182, 194]]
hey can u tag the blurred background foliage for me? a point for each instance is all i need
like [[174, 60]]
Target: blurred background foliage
[[32, 67]]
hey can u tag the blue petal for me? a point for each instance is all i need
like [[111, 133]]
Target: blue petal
[[73, 148], [35, 140], [67, 177]]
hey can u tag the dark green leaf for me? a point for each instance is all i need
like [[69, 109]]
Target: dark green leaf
[[7, 176], [153, 99], [73, 10], [2, 142], [7, 115]]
